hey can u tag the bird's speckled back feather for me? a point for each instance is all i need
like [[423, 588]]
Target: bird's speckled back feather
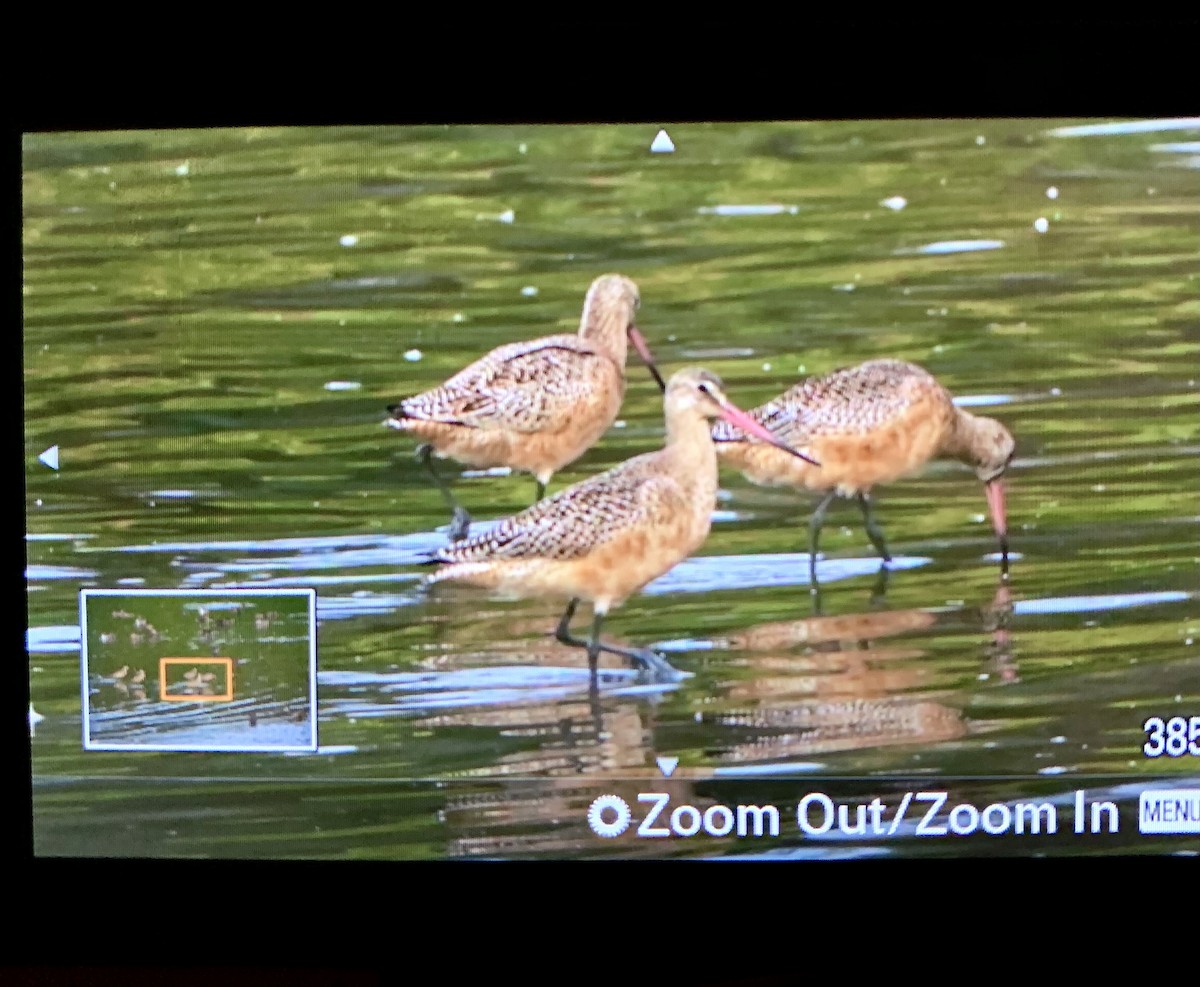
[[523, 387], [850, 401], [576, 521]]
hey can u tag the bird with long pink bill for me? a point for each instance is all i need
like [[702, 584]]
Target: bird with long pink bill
[[870, 424], [534, 406], [602, 540]]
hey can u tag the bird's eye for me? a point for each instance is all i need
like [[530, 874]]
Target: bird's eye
[[704, 389]]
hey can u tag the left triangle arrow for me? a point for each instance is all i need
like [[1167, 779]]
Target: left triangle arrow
[[50, 457]]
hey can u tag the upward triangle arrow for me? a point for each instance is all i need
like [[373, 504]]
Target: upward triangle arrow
[[662, 144]]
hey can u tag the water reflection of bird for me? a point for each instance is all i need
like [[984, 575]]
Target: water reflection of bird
[[534, 406], [548, 817], [605, 538], [868, 425], [811, 631], [804, 729], [996, 616], [844, 691], [840, 656], [563, 736]]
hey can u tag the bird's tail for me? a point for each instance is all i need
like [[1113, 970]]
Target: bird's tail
[[473, 573], [398, 417]]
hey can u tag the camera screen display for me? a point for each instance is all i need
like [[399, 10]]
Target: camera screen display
[[772, 490]]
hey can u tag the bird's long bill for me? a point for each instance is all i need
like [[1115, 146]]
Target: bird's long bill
[[995, 499], [741, 420], [639, 344]]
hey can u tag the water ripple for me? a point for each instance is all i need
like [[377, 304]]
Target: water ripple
[[952, 247], [58, 572], [748, 210], [496, 685], [1117, 601], [717, 572], [52, 639], [1181, 147], [1126, 127]]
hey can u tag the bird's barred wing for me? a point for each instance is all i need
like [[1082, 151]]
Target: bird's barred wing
[[851, 401], [522, 387], [578, 520], [778, 416]]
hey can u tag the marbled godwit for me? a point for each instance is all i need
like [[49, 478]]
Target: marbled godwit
[[607, 537], [869, 424], [534, 406]]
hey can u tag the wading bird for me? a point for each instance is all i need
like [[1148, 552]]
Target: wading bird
[[605, 538], [868, 425], [534, 406]]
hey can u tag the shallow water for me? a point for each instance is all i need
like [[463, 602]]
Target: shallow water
[[215, 321]]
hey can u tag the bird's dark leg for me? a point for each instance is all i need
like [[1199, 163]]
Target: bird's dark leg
[[460, 522], [879, 590], [814, 536], [656, 667], [563, 631], [541, 491], [874, 532]]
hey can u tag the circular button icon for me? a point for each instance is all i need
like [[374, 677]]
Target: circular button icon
[[610, 804]]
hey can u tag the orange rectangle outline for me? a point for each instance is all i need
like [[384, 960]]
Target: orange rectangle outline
[[162, 679]]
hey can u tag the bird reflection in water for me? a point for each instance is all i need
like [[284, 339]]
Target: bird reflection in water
[[846, 691], [548, 817], [996, 616], [821, 684]]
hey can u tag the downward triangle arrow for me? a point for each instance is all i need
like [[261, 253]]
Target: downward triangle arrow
[[667, 765]]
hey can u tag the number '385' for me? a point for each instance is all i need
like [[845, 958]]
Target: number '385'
[[1174, 737]]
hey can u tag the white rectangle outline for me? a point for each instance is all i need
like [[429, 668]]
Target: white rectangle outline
[[212, 594], [1159, 829]]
